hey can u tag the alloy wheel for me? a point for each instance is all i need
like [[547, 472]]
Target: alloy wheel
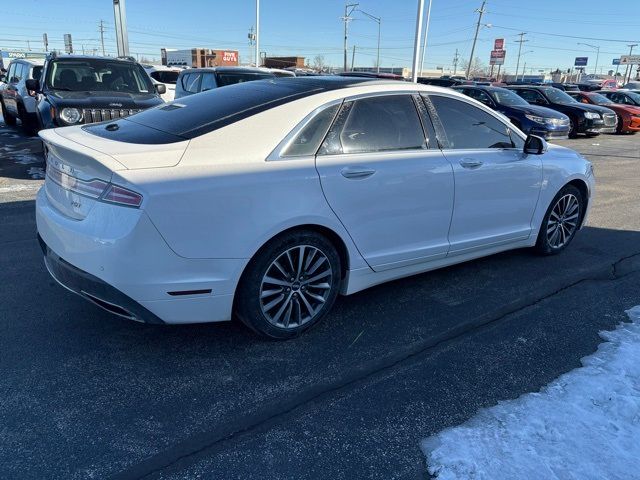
[[296, 286], [563, 220]]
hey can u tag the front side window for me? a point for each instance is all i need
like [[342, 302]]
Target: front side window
[[165, 76], [98, 75], [556, 95], [11, 75], [36, 72], [19, 72], [480, 96], [531, 96], [469, 127], [505, 97], [376, 124]]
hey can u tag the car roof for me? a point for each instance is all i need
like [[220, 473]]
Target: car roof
[[37, 62], [92, 57], [227, 69]]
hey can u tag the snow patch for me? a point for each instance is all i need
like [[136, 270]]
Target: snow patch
[[584, 425]]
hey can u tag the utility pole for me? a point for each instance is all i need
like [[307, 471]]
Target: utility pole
[[257, 33], [416, 43], [629, 68], [521, 41], [252, 38], [28, 45], [102, 36], [456, 58], [475, 38], [353, 58], [426, 34], [346, 19], [45, 41]]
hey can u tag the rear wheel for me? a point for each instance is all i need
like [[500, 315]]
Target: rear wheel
[[289, 285], [8, 118], [561, 222]]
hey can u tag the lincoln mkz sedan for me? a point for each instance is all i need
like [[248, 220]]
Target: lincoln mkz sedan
[[265, 200]]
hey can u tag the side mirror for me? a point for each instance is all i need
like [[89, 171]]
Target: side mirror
[[3, 77], [33, 85], [535, 145], [161, 88]]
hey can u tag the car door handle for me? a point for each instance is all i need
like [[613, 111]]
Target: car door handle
[[355, 173], [470, 163]]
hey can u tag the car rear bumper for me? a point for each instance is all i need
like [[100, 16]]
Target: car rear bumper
[[116, 258]]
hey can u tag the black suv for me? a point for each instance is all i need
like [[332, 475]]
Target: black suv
[[75, 89], [589, 119]]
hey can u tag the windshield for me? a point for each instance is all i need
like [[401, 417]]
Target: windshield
[[634, 96], [599, 99], [84, 75], [229, 78], [558, 96], [633, 85], [165, 76], [505, 97]]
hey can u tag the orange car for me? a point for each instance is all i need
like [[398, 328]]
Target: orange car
[[628, 115]]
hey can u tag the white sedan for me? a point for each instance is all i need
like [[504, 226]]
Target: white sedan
[[265, 200]]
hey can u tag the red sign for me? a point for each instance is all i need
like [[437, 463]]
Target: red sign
[[497, 57], [229, 56], [498, 44]]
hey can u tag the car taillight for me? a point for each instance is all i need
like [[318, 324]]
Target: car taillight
[[96, 189], [121, 196]]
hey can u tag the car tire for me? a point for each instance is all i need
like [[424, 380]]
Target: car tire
[[304, 291], [573, 128], [8, 118], [561, 221]]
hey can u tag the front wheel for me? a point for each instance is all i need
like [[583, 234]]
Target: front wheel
[[561, 222], [289, 285], [8, 118], [573, 128]]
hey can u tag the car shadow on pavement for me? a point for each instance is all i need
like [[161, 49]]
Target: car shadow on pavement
[[21, 157]]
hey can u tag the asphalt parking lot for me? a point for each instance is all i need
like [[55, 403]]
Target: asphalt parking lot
[[84, 394]]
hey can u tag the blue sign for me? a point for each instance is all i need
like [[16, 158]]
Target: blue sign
[[581, 61], [616, 61]]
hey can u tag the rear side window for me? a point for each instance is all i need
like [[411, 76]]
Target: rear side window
[[307, 140], [191, 82], [229, 78], [376, 124], [208, 82], [36, 72], [165, 76], [469, 127]]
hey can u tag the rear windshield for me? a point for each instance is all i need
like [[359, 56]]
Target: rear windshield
[[163, 76], [83, 75], [230, 78], [195, 115]]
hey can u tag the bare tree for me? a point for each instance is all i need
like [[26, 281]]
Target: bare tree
[[318, 63], [478, 69]]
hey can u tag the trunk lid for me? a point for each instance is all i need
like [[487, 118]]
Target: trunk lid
[[80, 166]]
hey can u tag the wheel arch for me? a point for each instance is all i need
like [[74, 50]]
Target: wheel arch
[[583, 188]]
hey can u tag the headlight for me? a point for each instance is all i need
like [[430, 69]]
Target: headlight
[[535, 118], [70, 115], [592, 115]]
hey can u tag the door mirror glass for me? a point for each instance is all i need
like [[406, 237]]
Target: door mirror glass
[[535, 145], [161, 89]]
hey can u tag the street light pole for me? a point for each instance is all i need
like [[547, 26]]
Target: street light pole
[[629, 68], [257, 45], [597, 47], [379, 21], [416, 43], [426, 34], [475, 38]]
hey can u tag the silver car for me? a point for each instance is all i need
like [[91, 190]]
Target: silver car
[[15, 99]]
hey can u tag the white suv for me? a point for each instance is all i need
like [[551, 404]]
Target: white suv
[[167, 76], [15, 99]]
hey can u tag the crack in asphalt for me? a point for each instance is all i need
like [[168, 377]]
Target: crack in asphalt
[[172, 457]]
